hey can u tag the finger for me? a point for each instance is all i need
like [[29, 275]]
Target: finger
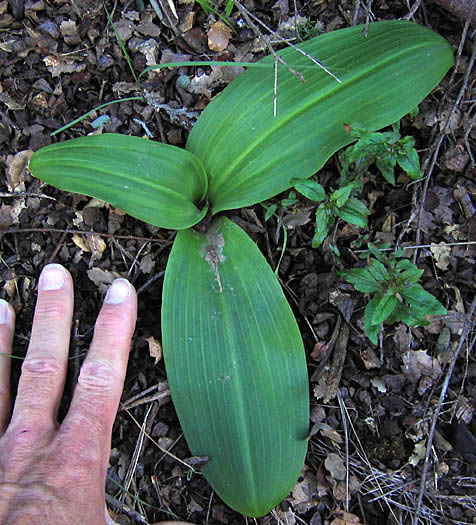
[[44, 369], [101, 380], [7, 325]]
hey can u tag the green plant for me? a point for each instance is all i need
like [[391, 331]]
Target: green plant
[[235, 360], [396, 294], [385, 149], [208, 8], [339, 204], [282, 206], [308, 29]]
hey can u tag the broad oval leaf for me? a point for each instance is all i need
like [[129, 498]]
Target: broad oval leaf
[[236, 366], [250, 156], [157, 183]]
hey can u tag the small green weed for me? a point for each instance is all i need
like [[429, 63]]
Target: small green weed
[[308, 29], [385, 149], [396, 294], [392, 280], [339, 204], [282, 206], [208, 8]]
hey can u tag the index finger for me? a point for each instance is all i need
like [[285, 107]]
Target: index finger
[[101, 380], [7, 323]]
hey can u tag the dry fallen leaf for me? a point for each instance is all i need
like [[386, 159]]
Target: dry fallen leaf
[[147, 263], [463, 198], [345, 518], [419, 452], [341, 490], [285, 516], [417, 363], [58, 65], [370, 358], [218, 36], [96, 245], [326, 431], [456, 159], [379, 384], [155, 349], [16, 170], [102, 278], [187, 21], [11, 103], [80, 242], [298, 218], [302, 493], [336, 466], [441, 253]]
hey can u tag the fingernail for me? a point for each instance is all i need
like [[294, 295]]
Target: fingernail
[[118, 291], [52, 277], [4, 312]]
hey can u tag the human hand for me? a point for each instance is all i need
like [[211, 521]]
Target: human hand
[[51, 473]]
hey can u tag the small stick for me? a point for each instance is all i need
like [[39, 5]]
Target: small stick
[[248, 16], [345, 417], [444, 389], [81, 232], [441, 137], [413, 10]]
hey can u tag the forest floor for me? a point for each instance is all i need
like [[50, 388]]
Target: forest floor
[[375, 409]]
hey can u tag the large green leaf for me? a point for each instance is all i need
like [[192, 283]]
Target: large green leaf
[[236, 366], [250, 156], [154, 182]]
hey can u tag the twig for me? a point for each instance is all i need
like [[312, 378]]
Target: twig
[[418, 246], [345, 417], [466, 139], [413, 10], [355, 16], [338, 360], [374, 476], [142, 398], [25, 194], [150, 281], [80, 232], [137, 450], [368, 15], [248, 16], [442, 136], [162, 449], [57, 249], [429, 444], [126, 509]]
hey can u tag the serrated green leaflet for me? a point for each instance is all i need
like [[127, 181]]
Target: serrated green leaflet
[[236, 366], [421, 300], [154, 182], [362, 279], [372, 330], [354, 212], [251, 156], [384, 308], [311, 190]]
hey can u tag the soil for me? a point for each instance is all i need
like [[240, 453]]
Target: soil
[[372, 407]]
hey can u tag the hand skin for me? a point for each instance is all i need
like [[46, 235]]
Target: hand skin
[[51, 473]]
